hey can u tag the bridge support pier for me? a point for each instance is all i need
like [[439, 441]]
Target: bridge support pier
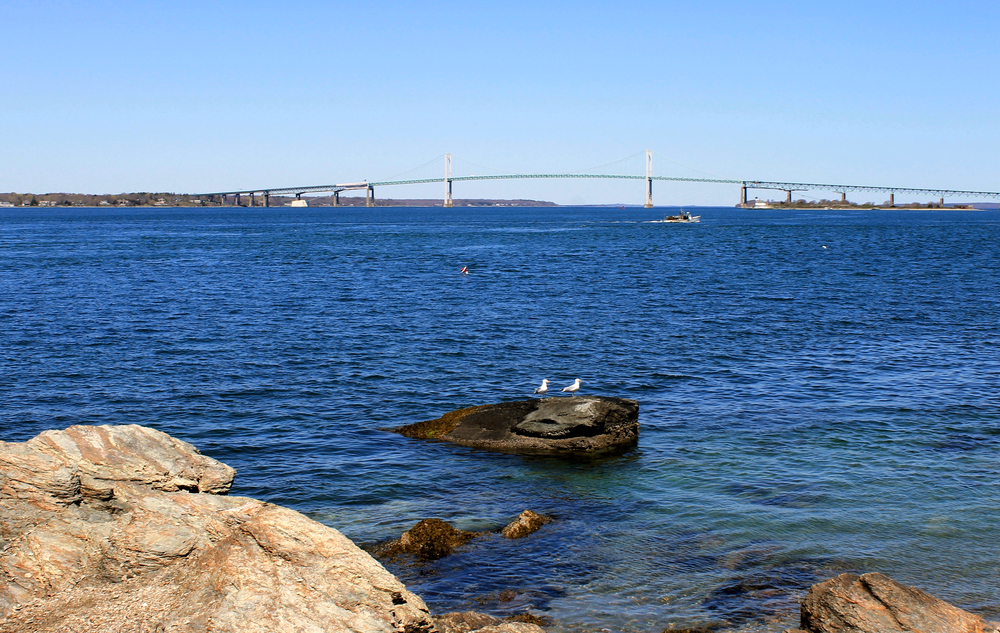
[[336, 198], [743, 195], [843, 196], [942, 201], [892, 199], [448, 202], [649, 179], [267, 198], [370, 197], [253, 199], [788, 196], [238, 202]]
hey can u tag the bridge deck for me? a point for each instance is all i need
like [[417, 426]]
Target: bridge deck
[[749, 184]]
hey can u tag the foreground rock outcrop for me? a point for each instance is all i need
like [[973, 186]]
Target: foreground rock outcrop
[[123, 528], [578, 424], [873, 603]]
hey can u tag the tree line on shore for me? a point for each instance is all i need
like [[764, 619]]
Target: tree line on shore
[[139, 199]]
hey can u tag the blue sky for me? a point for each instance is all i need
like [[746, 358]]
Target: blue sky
[[104, 97]]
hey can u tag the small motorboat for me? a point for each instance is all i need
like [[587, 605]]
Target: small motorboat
[[683, 216]]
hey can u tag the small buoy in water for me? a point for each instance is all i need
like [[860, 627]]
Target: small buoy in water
[[824, 246], [465, 269]]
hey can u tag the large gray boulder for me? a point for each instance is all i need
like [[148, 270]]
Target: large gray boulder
[[570, 425], [124, 528], [874, 603]]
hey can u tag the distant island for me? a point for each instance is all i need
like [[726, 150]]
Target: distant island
[[845, 204], [144, 199]]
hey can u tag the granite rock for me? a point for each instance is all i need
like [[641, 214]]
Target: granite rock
[[874, 603], [117, 528]]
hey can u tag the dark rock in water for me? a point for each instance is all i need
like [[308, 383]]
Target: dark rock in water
[[507, 595], [577, 424], [874, 603], [526, 523], [758, 594], [429, 539], [530, 618], [432, 539]]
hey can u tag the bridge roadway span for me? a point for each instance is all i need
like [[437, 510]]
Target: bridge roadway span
[[787, 187]]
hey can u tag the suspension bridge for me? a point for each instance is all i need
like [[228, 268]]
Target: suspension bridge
[[448, 179]]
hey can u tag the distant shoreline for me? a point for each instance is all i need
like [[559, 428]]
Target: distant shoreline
[[169, 200], [80, 200], [962, 206]]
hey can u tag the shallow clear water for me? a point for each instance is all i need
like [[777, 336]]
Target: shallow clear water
[[804, 411]]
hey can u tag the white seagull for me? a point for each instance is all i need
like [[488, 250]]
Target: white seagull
[[572, 389], [544, 387]]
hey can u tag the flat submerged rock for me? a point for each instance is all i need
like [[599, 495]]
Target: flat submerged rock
[[568, 425]]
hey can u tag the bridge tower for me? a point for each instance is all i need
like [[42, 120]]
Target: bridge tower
[[447, 181], [649, 179], [370, 197]]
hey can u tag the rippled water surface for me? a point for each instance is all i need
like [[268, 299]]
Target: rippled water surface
[[804, 410]]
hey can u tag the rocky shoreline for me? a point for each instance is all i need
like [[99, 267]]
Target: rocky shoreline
[[124, 528]]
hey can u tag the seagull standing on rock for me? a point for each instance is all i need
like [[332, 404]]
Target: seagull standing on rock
[[545, 387], [572, 389]]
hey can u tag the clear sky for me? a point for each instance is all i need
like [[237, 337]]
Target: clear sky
[[106, 97]]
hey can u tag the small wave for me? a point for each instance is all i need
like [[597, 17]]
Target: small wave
[[773, 298]]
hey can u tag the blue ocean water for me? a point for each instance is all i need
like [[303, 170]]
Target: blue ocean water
[[804, 410]]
